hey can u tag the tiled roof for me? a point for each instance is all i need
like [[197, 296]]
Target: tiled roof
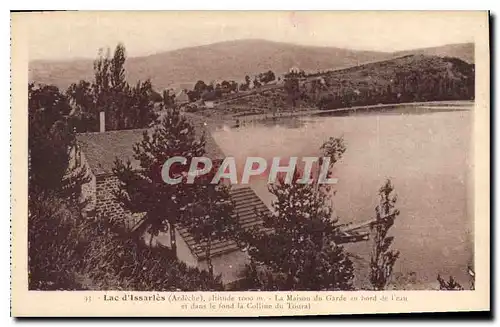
[[246, 204], [101, 149]]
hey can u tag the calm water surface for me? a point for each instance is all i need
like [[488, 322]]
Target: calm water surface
[[428, 158]]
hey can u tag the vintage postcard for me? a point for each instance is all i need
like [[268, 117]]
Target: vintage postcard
[[250, 163]]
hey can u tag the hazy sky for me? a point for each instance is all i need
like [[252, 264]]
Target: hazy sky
[[81, 34]]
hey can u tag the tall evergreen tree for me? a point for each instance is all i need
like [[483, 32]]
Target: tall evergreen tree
[[383, 257], [52, 191], [297, 245], [142, 189]]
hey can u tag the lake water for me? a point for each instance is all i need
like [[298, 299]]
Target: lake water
[[426, 155]]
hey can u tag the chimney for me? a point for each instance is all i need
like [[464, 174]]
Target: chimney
[[102, 122]]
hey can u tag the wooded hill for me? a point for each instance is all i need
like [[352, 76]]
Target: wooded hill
[[405, 79]]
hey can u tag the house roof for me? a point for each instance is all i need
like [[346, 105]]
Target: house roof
[[102, 148], [247, 205], [181, 96]]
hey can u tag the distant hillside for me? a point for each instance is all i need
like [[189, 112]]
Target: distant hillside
[[230, 60], [463, 51], [226, 60], [404, 79]]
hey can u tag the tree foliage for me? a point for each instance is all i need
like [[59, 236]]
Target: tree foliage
[[52, 234], [450, 285], [67, 252], [400, 80], [383, 257], [410, 79], [267, 77], [334, 148], [49, 137], [52, 191], [210, 92], [115, 261], [142, 189], [292, 90], [256, 83], [297, 247], [168, 98], [126, 106]]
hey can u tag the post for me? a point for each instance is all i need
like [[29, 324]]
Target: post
[[102, 122]]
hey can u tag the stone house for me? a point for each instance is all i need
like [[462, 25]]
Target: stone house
[[96, 153]]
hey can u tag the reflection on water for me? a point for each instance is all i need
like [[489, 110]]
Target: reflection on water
[[427, 156], [289, 122], [396, 110], [301, 118]]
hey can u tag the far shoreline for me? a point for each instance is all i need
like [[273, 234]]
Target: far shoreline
[[219, 121]]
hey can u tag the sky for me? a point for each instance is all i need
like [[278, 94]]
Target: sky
[[68, 35]]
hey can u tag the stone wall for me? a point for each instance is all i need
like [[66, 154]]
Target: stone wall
[[108, 206], [78, 164]]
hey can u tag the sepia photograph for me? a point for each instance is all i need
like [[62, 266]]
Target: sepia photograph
[[255, 152]]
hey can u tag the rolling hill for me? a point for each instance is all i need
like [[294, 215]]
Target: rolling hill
[[463, 51], [226, 60], [409, 78]]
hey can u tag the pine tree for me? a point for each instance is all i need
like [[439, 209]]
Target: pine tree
[[382, 257], [297, 244], [142, 190]]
